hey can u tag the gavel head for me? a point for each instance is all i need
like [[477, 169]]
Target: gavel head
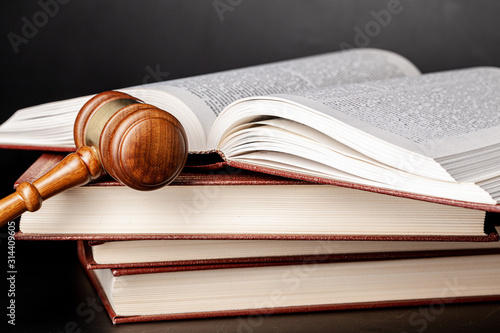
[[138, 144]]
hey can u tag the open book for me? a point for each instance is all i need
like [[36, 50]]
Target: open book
[[361, 118]]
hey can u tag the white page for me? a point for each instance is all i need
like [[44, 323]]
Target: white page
[[207, 95], [442, 126], [435, 114], [196, 101]]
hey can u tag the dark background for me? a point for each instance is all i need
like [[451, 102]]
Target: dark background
[[84, 47]]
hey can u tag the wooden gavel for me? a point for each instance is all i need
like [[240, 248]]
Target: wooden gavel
[[137, 144]]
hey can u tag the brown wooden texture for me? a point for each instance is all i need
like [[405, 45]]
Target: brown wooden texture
[[89, 109], [76, 169], [138, 144], [143, 147]]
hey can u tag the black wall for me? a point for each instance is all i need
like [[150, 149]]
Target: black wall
[[80, 47], [57, 49]]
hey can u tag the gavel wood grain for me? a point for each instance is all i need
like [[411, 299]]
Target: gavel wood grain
[[138, 144]]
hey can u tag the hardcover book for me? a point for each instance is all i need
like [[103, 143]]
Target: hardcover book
[[160, 253], [365, 119], [182, 292], [239, 204]]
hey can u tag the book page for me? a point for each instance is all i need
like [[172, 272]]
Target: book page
[[197, 101], [436, 115], [207, 95], [443, 127]]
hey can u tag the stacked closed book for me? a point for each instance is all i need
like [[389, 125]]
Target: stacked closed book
[[254, 287], [338, 181], [233, 243]]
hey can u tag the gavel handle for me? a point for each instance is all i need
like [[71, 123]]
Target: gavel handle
[[76, 169]]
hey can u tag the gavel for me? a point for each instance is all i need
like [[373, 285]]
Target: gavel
[[116, 134]]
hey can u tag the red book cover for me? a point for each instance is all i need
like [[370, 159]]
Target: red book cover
[[459, 249], [211, 162], [267, 309], [229, 176]]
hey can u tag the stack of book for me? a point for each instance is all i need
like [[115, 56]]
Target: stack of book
[[345, 180]]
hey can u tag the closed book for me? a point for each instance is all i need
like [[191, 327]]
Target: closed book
[[249, 290], [161, 253], [236, 204]]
